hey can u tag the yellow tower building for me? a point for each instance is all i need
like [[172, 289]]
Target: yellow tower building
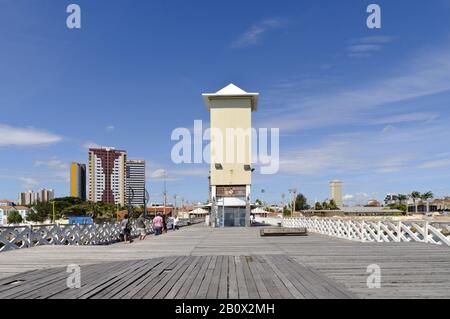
[[231, 155]]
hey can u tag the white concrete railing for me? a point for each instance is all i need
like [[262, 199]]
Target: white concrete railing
[[375, 231], [31, 236]]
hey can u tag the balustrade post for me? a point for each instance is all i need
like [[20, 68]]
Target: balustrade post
[[379, 231], [425, 232], [399, 231], [29, 242], [348, 230], [363, 237]]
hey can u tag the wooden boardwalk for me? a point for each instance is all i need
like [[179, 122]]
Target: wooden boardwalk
[[198, 262], [191, 277]]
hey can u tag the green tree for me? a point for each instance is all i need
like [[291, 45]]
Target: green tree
[[402, 198], [332, 205], [258, 202], [416, 196], [426, 197], [40, 212], [301, 202], [318, 206], [14, 217], [286, 211]]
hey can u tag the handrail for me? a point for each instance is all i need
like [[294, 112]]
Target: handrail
[[17, 237], [430, 232]]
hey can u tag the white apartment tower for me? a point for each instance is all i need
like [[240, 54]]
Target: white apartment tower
[[336, 192], [107, 176]]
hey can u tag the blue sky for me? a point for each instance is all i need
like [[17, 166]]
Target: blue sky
[[369, 107]]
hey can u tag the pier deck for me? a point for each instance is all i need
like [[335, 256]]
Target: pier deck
[[216, 261]]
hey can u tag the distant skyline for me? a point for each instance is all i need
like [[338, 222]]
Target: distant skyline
[[367, 107]]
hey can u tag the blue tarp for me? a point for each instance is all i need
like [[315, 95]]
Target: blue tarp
[[80, 220]]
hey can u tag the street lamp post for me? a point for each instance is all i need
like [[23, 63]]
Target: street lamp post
[[293, 191], [54, 214]]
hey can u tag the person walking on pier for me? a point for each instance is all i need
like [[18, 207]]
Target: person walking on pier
[[140, 225], [126, 228], [158, 225]]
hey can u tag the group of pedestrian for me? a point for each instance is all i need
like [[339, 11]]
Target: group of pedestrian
[[160, 226]]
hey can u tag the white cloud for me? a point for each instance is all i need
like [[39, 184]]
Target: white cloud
[[254, 34], [159, 174], [110, 128], [365, 47], [435, 164], [89, 145], [426, 75], [356, 199], [368, 153], [15, 136], [28, 182], [53, 164], [406, 118]]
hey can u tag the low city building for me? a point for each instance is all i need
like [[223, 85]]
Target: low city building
[[6, 210], [354, 211]]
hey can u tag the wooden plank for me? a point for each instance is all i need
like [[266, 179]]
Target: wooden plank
[[96, 286], [203, 291], [223, 281], [135, 289], [249, 281], [233, 292], [303, 287], [189, 273], [242, 286], [193, 290], [190, 280], [213, 288], [165, 278], [257, 277], [157, 276], [297, 293], [126, 283], [338, 289], [271, 290], [174, 278]]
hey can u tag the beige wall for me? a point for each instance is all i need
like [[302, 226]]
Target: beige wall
[[231, 114]]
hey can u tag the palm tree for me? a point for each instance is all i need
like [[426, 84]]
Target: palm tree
[[402, 198], [415, 196], [426, 197]]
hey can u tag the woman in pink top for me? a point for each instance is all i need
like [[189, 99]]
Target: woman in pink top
[[157, 224]]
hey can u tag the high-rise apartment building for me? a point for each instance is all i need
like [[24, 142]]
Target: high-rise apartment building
[[46, 195], [31, 198], [78, 180], [107, 176], [336, 192], [135, 182]]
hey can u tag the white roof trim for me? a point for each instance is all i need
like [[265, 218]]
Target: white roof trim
[[231, 91]]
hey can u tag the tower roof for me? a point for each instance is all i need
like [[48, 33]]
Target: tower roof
[[231, 91]]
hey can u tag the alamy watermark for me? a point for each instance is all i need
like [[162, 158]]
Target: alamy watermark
[[73, 21], [374, 278], [74, 279], [228, 146]]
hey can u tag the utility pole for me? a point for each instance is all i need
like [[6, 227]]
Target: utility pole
[[165, 194], [54, 214], [293, 191], [174, 206]]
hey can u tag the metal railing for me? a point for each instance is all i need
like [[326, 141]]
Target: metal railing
[[376, 231], [37, 235]]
